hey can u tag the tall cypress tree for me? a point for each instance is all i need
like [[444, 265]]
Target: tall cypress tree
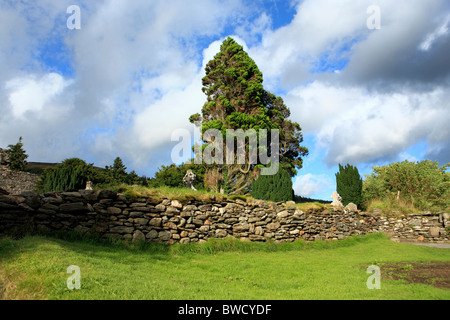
[[236, 99], [349, 184]]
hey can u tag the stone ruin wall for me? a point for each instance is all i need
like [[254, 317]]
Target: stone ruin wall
[[171, 221], [14, 182]]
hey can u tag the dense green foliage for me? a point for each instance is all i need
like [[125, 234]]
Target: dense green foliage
[[237, 100], [422, 184], [17, 156], [277, 187], [172, 176], [72, 174], [349, 184]]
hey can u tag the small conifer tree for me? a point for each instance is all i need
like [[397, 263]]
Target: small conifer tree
[[17, 156], [349, 184]]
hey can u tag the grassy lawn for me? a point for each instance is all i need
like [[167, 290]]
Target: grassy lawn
[[35, 267]]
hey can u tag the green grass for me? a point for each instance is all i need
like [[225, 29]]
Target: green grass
[[181, 194], [34, 267]]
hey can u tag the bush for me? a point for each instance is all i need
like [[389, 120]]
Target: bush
[[172, 176], [277, 187], [423, 185], [72, 174]]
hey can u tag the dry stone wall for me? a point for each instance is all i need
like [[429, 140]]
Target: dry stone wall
[[170, 221], [14, 182], [17, 182]]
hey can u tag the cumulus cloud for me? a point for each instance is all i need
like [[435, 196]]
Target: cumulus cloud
[[309, 184], [366, 95], [136, 75], [31, 95], [136, 69], [356, 125]]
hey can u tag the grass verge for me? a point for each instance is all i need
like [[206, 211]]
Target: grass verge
[[35, 267]]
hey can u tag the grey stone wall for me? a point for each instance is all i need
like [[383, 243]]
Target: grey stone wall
[[171, 221], [14, 182], [17, 182]]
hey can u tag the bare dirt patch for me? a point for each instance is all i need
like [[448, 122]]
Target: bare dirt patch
[[432, 273]]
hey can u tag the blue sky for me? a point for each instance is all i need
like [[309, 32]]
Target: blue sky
[[131, 76]]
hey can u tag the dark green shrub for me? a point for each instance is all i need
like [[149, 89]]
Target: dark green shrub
[[277, 187], [72, 174], [349, 185]]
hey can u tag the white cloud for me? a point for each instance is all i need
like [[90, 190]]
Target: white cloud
[[137, 74], [431, 38], [356, 125], [31, 93], [309, 184]]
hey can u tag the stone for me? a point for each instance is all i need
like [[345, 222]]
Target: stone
[[283, 214], [415, 223], [138, 236], [164, 235], [241, 227], [273, 226], [223, 226], [176, 204], [107, 194], [155, 222], [73, 207], [351, 207], [140, 221], [189, 179], [336, 200], [220, 233], [172, 210], [153, 234], [259, 231], [185, 240], [114, 210], [434, 232], [121, 229], [184, 234], [254, 237]]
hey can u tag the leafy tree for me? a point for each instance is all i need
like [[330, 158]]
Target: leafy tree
[[17, 156], [275, 188], [349, 184], [236, 100], [423, 183], [70, 175], [172, 176]]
